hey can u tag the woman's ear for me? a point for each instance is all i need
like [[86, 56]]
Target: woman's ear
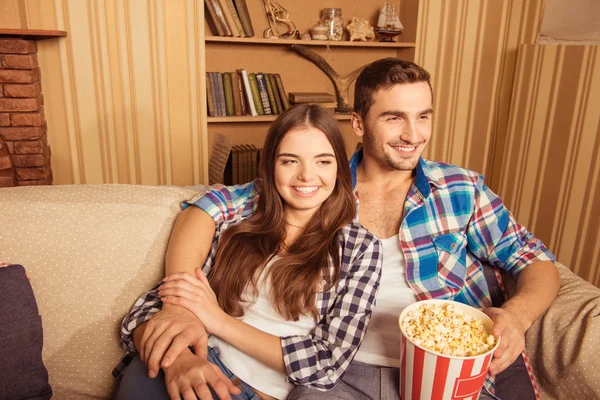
[[357, 124]]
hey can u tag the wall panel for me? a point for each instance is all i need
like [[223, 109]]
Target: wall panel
[[121, 91], [551, 173]]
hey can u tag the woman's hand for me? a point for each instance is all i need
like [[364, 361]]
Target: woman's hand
[[196, 295]]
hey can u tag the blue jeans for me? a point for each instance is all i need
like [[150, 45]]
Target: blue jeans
[[135, 383]]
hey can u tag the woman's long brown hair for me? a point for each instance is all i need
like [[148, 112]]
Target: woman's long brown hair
[[245, 249]]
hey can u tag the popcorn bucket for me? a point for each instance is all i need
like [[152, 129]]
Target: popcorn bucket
[[426, 374]]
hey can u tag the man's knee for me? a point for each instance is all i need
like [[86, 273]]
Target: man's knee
[[136, 384]]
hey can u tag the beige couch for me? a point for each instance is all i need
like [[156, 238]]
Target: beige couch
[[90, 250]]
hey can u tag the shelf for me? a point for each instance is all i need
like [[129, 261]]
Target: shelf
[[264, 118], [32, 34], [226, 39]]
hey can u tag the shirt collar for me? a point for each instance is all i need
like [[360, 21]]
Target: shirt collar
[[423, 179]]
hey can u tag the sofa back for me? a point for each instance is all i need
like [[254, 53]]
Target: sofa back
[[90, 251]]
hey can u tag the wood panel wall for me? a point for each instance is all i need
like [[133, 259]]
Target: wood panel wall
[[122, 92], [551, 166]]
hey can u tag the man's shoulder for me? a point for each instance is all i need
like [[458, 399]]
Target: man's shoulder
[[447, 175]]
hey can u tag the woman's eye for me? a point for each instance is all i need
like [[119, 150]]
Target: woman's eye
[[291, 161]]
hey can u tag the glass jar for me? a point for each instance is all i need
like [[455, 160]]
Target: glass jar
[[332, 19]]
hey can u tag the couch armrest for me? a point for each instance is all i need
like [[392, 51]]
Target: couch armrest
[[563, 344]]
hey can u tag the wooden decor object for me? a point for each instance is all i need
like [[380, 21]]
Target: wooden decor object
[[341, 83]]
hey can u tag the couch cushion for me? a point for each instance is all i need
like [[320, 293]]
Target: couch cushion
[[90, 251], [22, 371], [563, 344]]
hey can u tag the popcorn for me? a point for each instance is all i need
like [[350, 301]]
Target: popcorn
[[446, 330]]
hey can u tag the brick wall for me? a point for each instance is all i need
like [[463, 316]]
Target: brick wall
[[24, 150]]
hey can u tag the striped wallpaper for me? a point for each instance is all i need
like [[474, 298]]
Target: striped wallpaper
[[122, 92], [550, 177], [470, 49]]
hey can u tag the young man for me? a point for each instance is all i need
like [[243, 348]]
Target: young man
[[439, 224]]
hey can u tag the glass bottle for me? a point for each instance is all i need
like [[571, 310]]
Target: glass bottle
[[332, 19]]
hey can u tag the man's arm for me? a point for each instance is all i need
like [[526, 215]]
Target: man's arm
[[494, 236], [189, 244], [537, 287]]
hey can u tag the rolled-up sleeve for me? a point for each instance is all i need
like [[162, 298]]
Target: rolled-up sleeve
[[319, 360], [225, 203], [144, 308], [495, 236]]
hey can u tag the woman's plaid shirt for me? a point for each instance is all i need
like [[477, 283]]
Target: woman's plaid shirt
[[319, 359]]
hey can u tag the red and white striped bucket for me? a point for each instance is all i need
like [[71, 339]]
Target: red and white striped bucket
[[426, 374]]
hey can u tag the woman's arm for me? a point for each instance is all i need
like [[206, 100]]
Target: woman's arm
[[325, 353]]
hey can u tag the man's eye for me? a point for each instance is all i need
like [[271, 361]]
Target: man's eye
[[324, 162], [394, 119], [425, 116]]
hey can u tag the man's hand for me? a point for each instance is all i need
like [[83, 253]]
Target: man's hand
[[167, 334], [191, 375], [510, 330]]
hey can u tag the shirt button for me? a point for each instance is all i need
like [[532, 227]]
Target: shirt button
[[330, 372], [453, 245]]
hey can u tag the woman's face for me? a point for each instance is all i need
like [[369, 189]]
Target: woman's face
[[305, 170]]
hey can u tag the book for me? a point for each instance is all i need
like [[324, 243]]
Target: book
[[264, 95], [235, 86], [255, 93], [236, 18], [310, 97], [241, 93], [242, 9], [235, 159], [219, 157], [282, 94], [254, 158], [229, 18], [276, 93], [228, 90], [248, 92], [210, 96], [216, 5], [216, 93], [245, 171], [274, 107], [221, 90], [214, 20]]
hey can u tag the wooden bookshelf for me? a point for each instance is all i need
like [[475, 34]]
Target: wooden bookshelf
[[282, 42], [257, 54]]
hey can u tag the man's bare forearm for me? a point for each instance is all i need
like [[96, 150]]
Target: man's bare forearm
[[190, 241], [537, 287]]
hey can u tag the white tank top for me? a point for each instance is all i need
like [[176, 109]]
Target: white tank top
[[381, 344], [261, 315]]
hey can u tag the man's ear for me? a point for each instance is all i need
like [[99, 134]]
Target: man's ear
[[358, 124]]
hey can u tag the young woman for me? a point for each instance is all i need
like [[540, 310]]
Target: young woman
[[288, 291]]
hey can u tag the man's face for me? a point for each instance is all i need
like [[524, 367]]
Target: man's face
[[398, 125]]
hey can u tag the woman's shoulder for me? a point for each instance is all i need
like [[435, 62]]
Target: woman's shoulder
[[357, 235]]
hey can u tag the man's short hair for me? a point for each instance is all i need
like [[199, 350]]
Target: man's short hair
[[383, 74]]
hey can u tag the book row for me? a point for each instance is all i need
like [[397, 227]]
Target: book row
[[242, 164], [242, 93], [228, 18]]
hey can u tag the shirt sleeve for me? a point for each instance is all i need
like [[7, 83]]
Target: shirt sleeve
[[319, 360], [224, 203], [144, 308], [495, 236]]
